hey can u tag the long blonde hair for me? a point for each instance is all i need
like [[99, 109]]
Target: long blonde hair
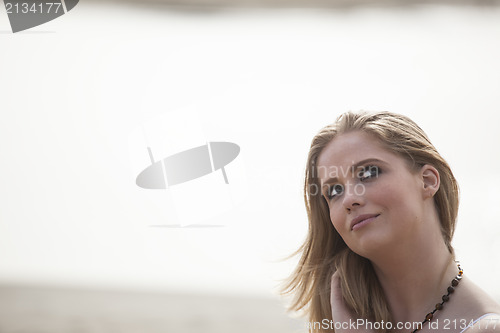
[[325, 252]]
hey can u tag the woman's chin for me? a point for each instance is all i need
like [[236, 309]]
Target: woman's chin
[[370, 244]]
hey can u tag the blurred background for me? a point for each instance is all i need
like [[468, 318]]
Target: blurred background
[[84, 249]]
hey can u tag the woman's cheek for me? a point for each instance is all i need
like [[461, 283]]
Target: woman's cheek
[[338, 221]]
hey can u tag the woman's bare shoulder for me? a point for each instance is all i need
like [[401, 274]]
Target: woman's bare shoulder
[[480, 299], [488, 323], [477, 307]]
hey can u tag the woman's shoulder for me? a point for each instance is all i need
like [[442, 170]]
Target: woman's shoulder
[[478, 298], [487, 323], [480, 310]]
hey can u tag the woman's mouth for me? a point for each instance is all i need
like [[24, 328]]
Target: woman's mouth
[[362, 220]]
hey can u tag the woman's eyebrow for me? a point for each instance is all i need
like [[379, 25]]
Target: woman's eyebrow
[[364, 162], [354, 167]]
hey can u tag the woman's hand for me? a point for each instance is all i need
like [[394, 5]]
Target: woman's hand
[[344, 319]]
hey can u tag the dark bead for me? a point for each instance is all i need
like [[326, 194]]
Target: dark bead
[[454, 282], [439, 306], [429, 316], [451, 289], [446, 298]]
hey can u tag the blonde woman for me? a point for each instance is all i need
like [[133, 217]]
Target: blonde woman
[[382, 205]]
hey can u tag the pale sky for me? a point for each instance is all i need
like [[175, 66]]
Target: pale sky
[[77, 92]]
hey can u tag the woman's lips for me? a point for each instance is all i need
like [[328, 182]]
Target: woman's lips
[[362, 220]]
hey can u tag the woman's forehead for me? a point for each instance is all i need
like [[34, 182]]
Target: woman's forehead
[[344, 154], [351, 147]]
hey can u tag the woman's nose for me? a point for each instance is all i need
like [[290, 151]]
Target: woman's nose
[[353, 196]]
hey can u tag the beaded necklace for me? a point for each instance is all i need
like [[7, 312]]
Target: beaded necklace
[[445, 298]]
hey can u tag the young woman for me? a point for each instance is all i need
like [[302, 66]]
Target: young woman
[[382, 205]]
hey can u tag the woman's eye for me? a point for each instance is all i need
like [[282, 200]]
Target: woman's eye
[[334, 190], [370, 171]]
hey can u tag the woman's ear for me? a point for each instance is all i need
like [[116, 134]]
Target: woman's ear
[[431, 180]]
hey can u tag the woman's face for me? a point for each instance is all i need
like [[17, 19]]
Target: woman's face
[[374, 199]]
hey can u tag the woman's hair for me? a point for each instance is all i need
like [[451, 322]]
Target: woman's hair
[[325, 252]]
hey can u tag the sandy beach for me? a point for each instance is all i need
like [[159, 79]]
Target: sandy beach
[[60, 310]]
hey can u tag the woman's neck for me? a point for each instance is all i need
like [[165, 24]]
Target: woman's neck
[[414, 277]]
